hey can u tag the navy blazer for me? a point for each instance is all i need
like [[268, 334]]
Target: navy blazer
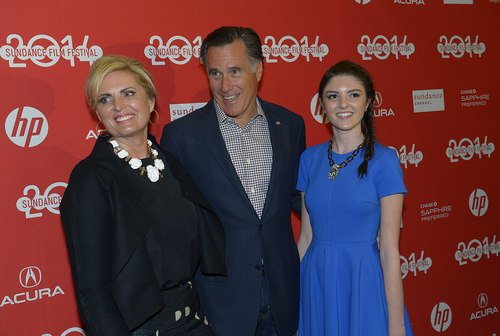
[[232, 304], [105, 218]]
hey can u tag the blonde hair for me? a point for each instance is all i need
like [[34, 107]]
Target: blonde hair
[[110, 63]]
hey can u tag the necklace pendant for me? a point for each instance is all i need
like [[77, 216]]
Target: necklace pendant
[[335, 168], [334, 172], [152, 172]]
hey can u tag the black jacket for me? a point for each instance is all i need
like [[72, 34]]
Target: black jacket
[[105, 220]]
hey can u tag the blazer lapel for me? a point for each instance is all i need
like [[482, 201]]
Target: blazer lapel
[[104, 157], [277, 143], [208, 126]]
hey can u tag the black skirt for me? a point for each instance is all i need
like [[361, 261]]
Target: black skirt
[[181, 315]]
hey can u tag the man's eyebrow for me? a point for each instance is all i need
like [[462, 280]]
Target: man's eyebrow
[[231, 68]]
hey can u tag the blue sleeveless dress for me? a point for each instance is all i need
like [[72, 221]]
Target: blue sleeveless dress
[[341, 284]]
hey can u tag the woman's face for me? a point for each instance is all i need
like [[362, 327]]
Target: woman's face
[[123, 105], [344, 101]]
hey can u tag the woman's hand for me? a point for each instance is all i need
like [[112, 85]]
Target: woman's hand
[[305, 229]]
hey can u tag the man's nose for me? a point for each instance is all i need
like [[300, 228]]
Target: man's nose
[[226, 84]]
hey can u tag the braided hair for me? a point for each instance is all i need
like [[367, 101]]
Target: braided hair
[[349, 68]]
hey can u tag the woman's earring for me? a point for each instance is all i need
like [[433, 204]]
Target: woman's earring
[[102, 132], [157, 118]]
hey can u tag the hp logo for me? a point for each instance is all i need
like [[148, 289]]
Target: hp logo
[[26, 127]]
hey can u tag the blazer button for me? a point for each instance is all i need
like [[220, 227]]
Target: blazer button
[[257, 267]]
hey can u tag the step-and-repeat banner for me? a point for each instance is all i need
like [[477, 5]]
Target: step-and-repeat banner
[[436, 67]]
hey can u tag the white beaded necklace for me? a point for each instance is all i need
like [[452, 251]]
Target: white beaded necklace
[[153, 172]]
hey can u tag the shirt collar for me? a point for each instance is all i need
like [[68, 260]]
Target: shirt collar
[[222, 117]]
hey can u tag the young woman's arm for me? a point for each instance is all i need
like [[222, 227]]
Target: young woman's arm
[[305, 229], [390, 221]]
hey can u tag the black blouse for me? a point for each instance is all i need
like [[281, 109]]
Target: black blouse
[[172, 242]]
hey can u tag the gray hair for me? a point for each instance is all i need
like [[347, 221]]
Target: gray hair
[[227, 35]]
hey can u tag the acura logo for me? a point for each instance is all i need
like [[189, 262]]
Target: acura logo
[[378, 99], [30, 277], [482, 300]]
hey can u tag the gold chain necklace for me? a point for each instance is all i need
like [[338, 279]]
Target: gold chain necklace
[[335, 168]]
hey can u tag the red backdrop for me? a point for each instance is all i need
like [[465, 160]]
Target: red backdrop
[[436, 67]]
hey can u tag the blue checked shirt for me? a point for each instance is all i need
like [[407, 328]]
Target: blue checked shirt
[[251, 153]]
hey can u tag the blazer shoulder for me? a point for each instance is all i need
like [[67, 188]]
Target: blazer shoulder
[[95, 167], [271, 108], [187, 120], [87, 175], [189, 189]]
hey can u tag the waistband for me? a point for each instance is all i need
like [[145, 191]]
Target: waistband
[[344, 243]]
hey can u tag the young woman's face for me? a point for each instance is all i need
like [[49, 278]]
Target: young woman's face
[[344, 101]]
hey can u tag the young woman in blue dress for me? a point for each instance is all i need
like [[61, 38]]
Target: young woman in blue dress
[[351, 188]]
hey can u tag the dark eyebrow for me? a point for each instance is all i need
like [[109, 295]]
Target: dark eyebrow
[[232, 68], [353, 90]]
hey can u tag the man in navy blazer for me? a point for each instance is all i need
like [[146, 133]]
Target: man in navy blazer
[[243, 153]]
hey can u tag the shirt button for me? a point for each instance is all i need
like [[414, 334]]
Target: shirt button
[[248, 161], [252, 190]]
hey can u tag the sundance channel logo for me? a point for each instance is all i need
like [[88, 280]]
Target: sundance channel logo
[[180, 110], [428, 100]]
